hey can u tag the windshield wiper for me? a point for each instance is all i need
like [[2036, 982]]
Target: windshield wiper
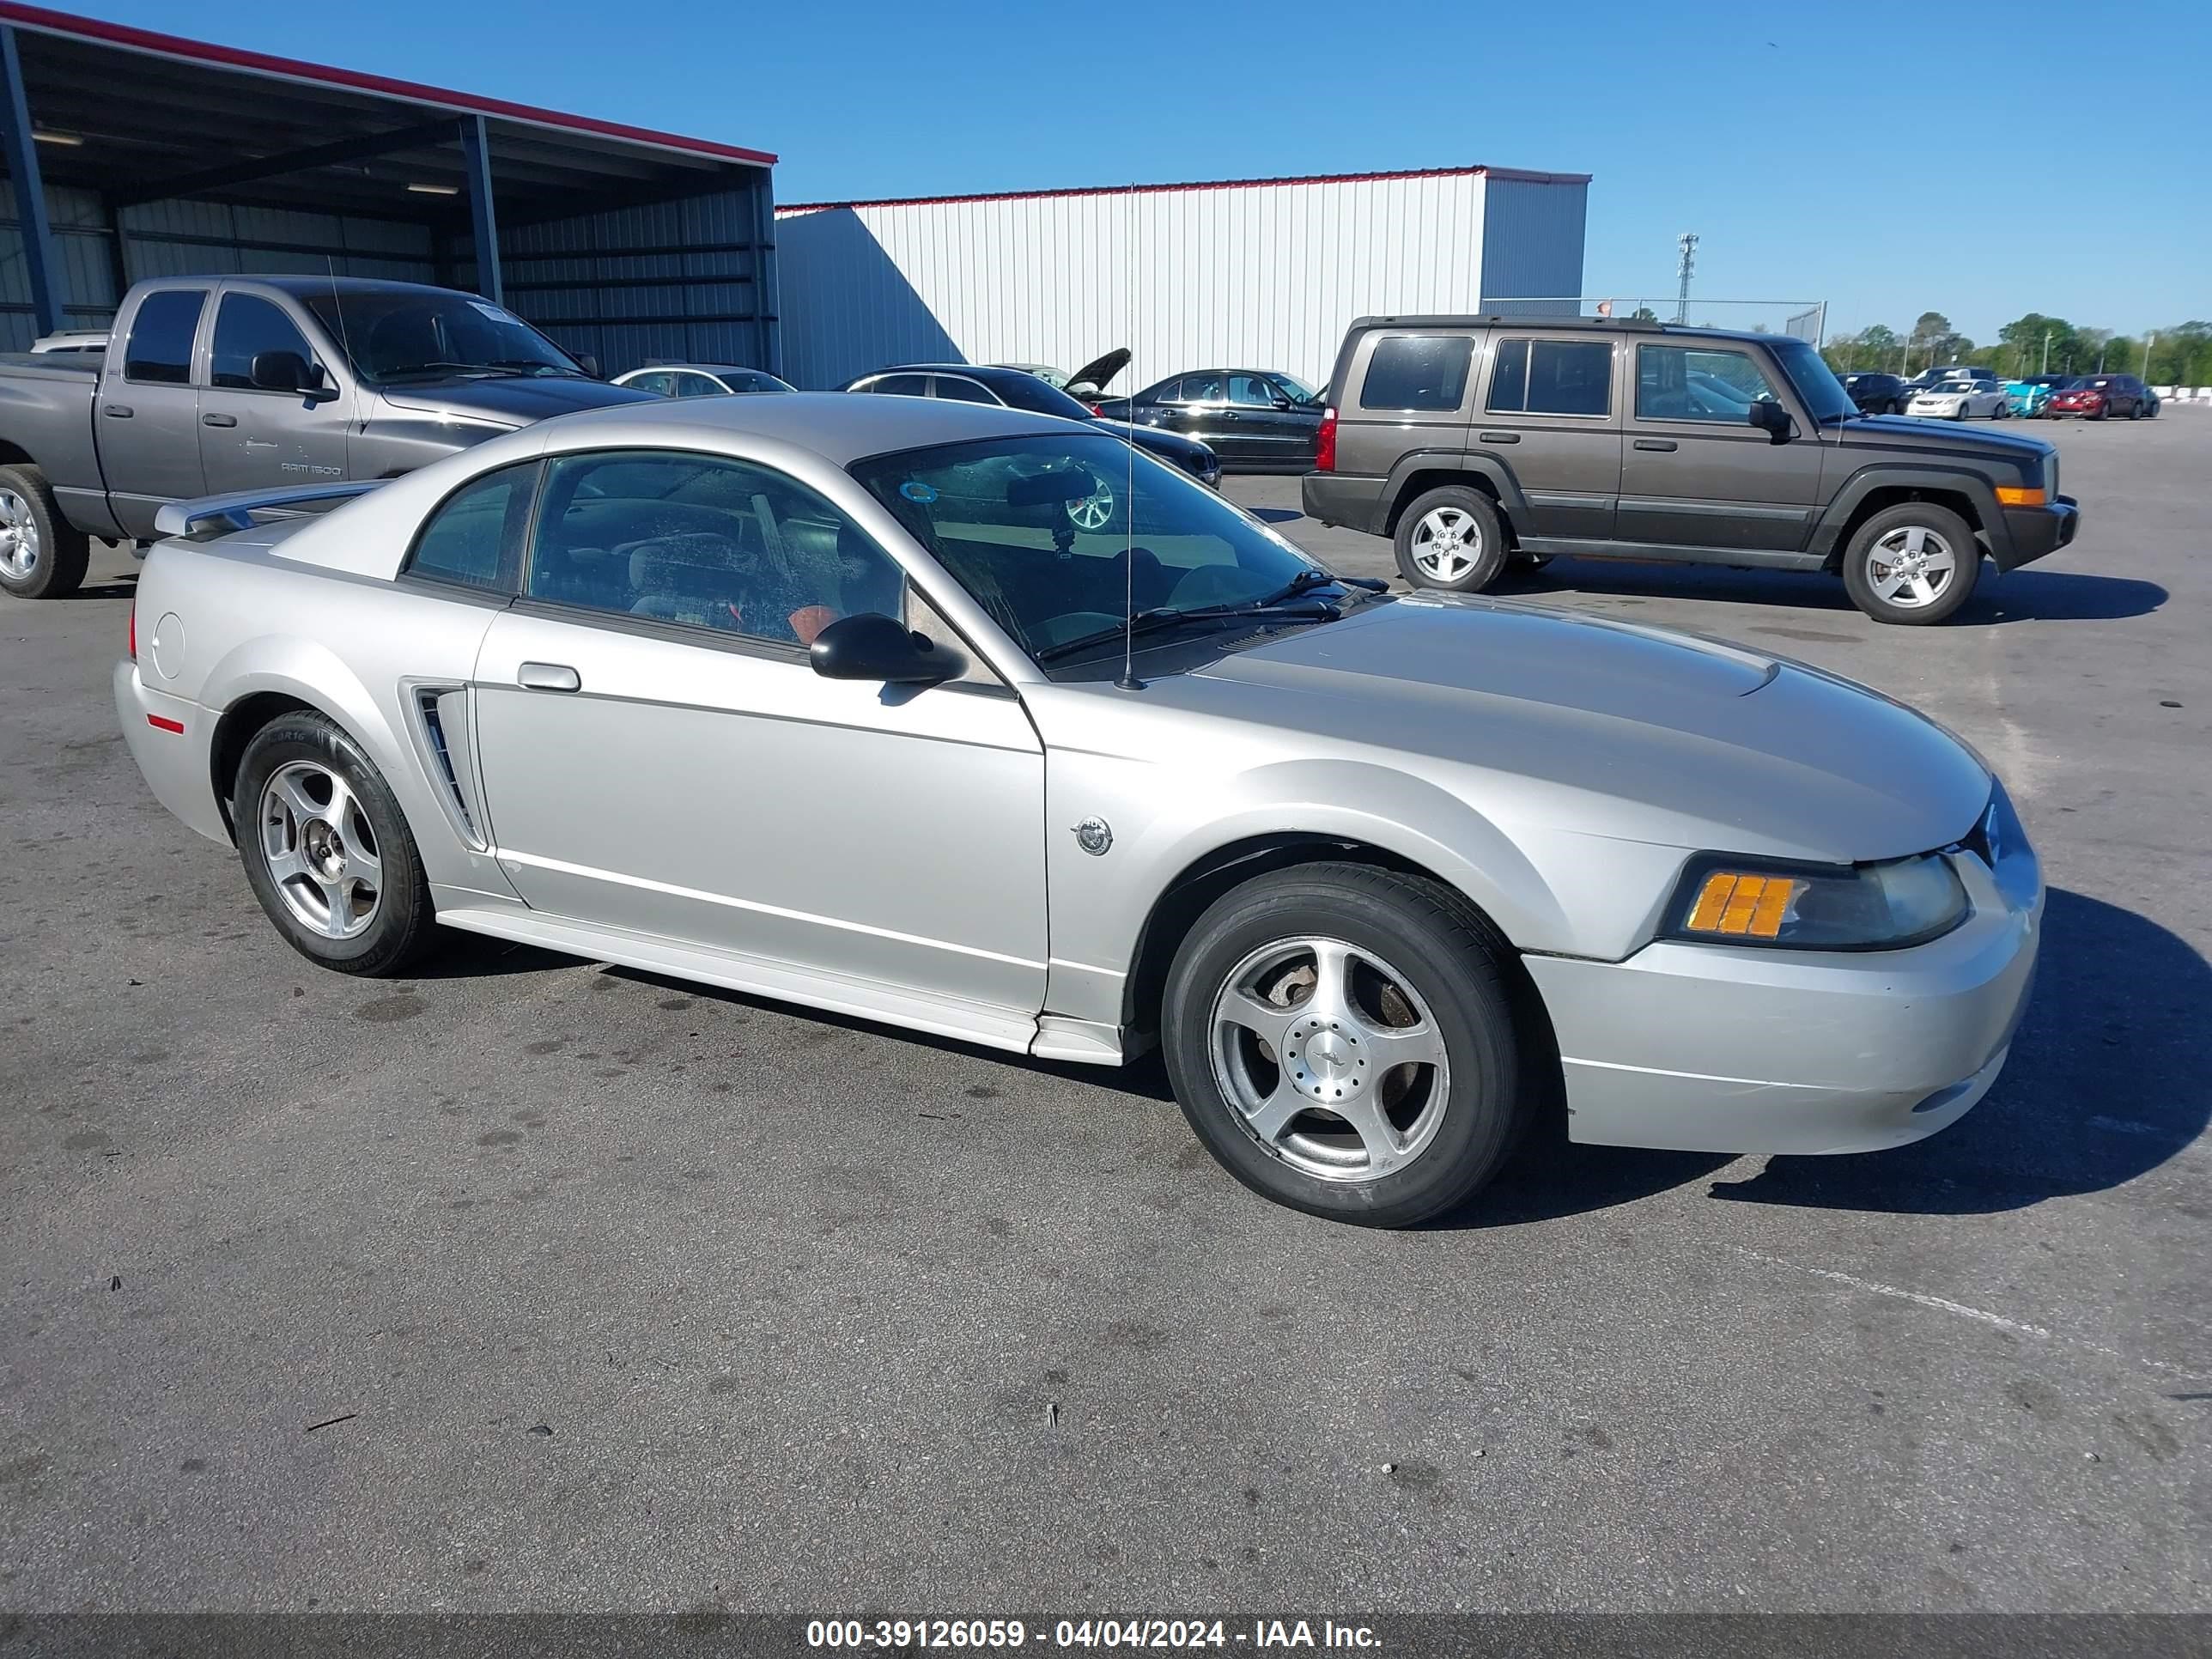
[[537, 365], [444, 369], [1306, 580], [1160, 617]]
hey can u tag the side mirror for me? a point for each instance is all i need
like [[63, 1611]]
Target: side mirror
[[281, 371], [1774, 420], [1279, 401], [587, 363], [873, 647]]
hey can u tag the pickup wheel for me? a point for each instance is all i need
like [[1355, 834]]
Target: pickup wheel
[[1451, 540], [1343, 1040], [327, 851], [1915, 564], [42, 555]]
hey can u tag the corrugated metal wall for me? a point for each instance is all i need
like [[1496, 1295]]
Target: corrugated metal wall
[[690, 279], [1267, 275], [183, 239], [1532, 248], [682, 281]]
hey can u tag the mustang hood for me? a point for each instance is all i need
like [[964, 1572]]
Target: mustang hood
[[1630, 731], [517, 399]]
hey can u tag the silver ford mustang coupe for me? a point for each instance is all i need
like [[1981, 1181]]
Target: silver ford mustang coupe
[[836, 700]]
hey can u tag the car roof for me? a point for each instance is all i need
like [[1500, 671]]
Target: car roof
[[1592, 324], [839, 428], [703, 368], [984, 372]]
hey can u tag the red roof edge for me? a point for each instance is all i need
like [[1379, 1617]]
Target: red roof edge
[[203, 51], [784, 208]]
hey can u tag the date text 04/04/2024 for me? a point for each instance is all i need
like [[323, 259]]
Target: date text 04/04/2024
[[1101, 1634]]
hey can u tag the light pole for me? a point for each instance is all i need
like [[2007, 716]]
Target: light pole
[[1687, 241], [2045, 369]]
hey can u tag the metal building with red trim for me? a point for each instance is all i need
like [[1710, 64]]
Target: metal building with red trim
[[148, 155], [1242, 272]]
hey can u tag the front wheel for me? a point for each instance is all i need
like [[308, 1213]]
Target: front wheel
[[1451, 540], [42, 555], [1343, 1040], [327, 851], [1913, 564]]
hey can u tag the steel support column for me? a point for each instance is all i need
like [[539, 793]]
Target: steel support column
[[475, 149], [30, 190]]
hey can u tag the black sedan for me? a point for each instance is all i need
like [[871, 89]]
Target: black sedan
[[1017, 388], [1257, 420], [1878, 394]]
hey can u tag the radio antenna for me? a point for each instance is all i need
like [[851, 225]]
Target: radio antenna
[[338, 310], [1129, 682]]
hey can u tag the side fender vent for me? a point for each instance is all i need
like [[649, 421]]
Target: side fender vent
[[443, 732]]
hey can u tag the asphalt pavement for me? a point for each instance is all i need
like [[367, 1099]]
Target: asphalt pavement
[[526, 1284]]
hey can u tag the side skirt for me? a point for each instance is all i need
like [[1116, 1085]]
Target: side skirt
[[1742, 558], [949, 1016]]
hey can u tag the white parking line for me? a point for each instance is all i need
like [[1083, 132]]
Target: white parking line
[[1943, 1305]]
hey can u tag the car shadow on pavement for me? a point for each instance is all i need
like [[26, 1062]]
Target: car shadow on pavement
[[2027, 595], [2107, 1080], [1275, 515]]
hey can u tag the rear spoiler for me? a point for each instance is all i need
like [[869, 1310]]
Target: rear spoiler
[[242, 509]]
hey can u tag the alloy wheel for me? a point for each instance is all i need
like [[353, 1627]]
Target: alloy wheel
[[1093, 512], [321, 850], [1447, 543], [1912, 567], [1329, 1059], [19, 536]]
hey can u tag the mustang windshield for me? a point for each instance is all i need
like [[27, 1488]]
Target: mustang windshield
[[405, 336], [1047, 535]]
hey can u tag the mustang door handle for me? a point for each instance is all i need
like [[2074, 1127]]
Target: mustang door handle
[[1501, 437], [218, 419], [548, 676], [1655, 443]]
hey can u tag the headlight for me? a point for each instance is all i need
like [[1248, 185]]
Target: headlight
[[1817, 907]]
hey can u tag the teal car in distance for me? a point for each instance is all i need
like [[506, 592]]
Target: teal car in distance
[[2030, 398]]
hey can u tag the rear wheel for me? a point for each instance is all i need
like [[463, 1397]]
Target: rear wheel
[[1451, 540], [1913, 564], [2135, 409], [327, 851], [1343, 1040], [42, 555]]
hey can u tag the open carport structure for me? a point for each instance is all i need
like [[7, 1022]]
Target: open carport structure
[[132, 154]]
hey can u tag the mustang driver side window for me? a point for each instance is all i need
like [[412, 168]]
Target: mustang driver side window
[[704, 541]]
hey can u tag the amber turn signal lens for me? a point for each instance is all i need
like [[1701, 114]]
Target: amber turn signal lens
[[1741, 904], [2011, 495]]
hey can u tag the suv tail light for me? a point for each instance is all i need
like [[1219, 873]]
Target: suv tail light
[[1325, 444], [134, 629]]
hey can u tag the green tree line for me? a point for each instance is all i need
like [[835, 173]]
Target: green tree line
[[2034, 344]]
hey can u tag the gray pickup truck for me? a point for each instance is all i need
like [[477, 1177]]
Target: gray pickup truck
[[211, 385]]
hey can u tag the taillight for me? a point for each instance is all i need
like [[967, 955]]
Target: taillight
[[1098, 409], [1325, 444], [134, 630]]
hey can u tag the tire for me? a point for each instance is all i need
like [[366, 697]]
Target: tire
[[1890, 531], [2135, 409], [283, 806], [1425, 972], [42, 555], [2102, 410], [1451, 541]]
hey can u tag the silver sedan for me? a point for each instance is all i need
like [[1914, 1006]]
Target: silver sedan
[[840, 701]]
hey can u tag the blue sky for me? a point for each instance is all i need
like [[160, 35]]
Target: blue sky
[[1978, 159]]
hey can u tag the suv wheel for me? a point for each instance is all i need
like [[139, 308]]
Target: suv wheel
[[1913, 564], [327, 851], [1451, 540], [1343, 1040]]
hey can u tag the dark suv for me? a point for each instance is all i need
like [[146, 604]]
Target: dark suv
[[1474, 440]]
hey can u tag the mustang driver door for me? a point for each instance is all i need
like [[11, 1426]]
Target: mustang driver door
[[659, 758]]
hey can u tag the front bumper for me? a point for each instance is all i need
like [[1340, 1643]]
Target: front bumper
[[1343, 498], [2038, 531], [1719, 1048]]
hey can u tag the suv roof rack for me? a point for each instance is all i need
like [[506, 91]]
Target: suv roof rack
[[1503, 319]]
